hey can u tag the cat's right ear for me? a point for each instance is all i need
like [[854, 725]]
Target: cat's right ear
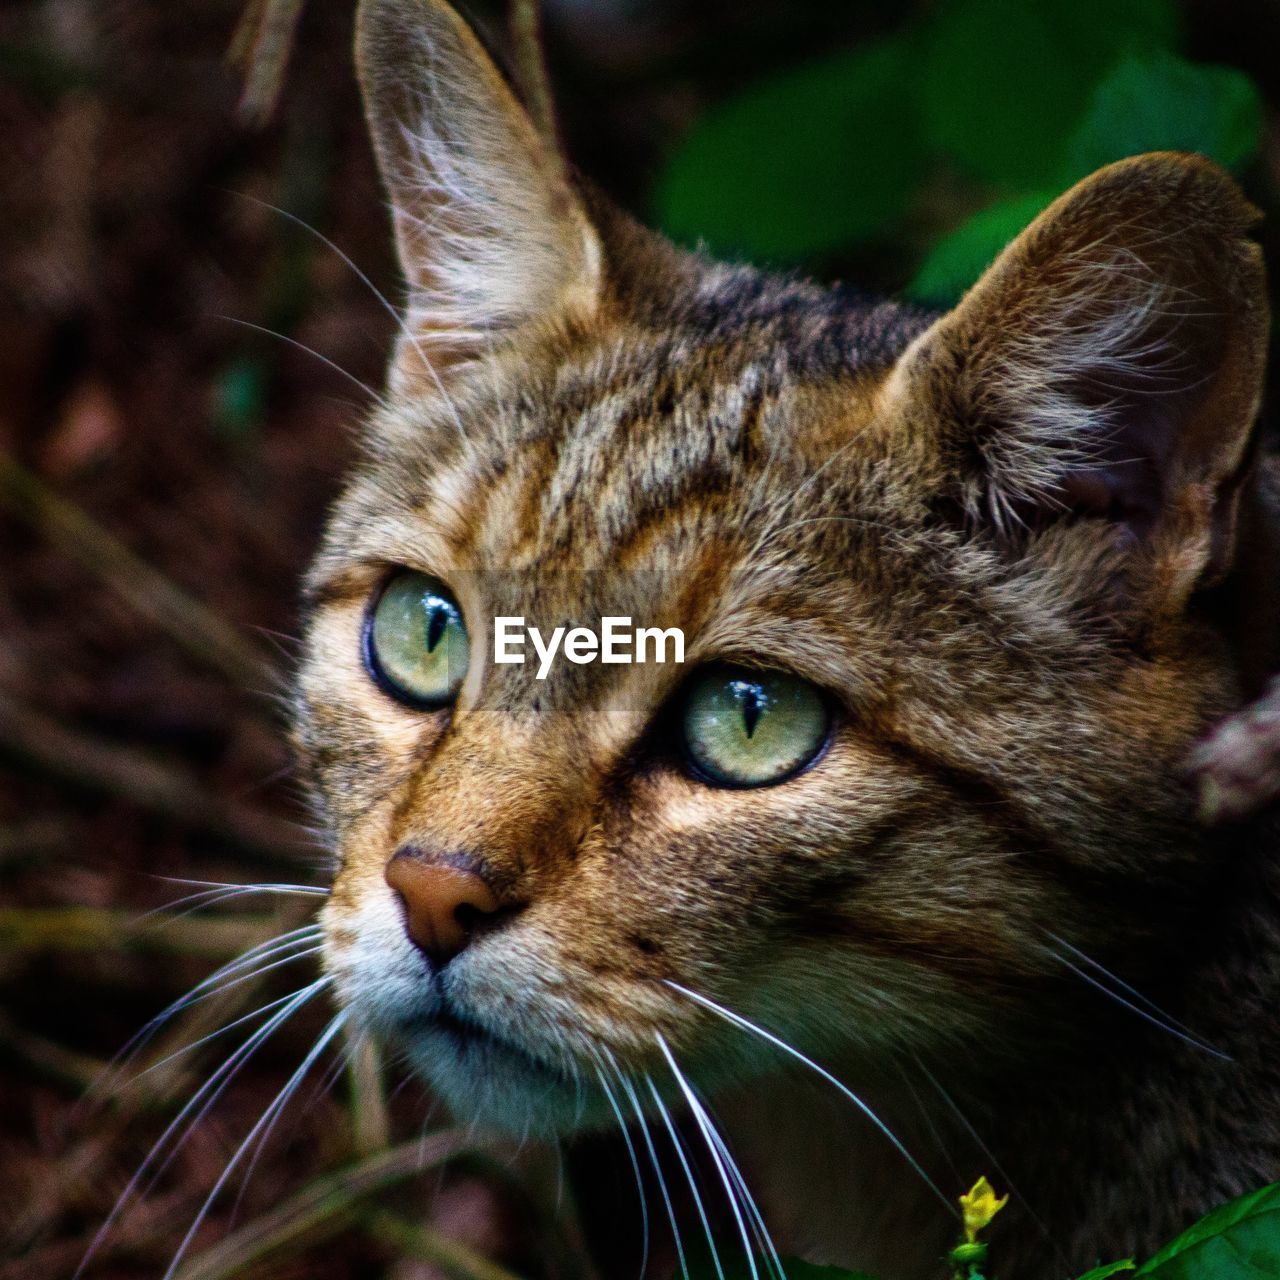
[[491, 236]]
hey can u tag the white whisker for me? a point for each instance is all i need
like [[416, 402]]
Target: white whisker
[[635, 1160], [265, 1121], [302, 346], [219, 1081], [221, 1031], [990, 1156], [712, 1134], [265, 886], [700, 1120], [405, 331], [760, 1228], [1137, 995], [215, 895], [326, 1083], [689, 1177], [647, 1134], [746, 1025], [199, 1103], [205, 989], [1154, 1019]]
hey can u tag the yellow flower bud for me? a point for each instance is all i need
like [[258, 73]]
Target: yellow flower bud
[[979, 1207]]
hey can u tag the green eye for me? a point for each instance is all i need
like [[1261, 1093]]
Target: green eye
[[415, 641], [750, 728]]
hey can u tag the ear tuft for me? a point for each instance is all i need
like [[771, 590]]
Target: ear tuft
[[1109, 364], [490, 234]]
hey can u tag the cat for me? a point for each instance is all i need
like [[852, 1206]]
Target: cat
[[896, 876]]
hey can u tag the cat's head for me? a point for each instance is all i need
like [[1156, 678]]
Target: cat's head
[[940, 582]]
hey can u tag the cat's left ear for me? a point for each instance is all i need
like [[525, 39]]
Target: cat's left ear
[[1104, 377], [491, 235]]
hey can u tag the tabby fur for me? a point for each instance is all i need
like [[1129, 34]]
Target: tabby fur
[[1028, 547]]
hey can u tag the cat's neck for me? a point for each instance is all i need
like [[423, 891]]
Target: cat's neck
[[1100, 1158]]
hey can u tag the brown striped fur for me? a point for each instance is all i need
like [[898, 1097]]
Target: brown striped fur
[[1007, 541]]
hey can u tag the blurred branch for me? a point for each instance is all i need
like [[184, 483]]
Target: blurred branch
[[181, 616], [455, 1260], [168, 1071], [75, 1069], [66, 269], [261, 47], [164, 1076], [321, 1209], [48, 1191], [530, 71], [93, 929], [137, 777], [33, 838]]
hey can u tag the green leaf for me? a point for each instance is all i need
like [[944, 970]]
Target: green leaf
[[1111, 1269], [1239, 1241], [1160, 102], [1003, 82], [800, 163], [959, 259]]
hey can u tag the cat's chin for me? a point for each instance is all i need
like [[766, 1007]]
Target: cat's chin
[[493, 1083]]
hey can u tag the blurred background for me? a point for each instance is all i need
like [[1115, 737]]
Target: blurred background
[[187, 206]]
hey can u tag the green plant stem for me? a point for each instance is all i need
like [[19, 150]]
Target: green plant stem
[[76, 1070]]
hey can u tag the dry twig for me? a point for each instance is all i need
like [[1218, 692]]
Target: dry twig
[[415, 1240], [162, 788], [321, 1209], [371, 1124], [261, 47], [28, 929], [53, 1060], [530, 71], [33, 838], [194, 626]]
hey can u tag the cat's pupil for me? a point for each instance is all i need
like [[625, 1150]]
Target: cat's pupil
[[750, 708], [437, 620]]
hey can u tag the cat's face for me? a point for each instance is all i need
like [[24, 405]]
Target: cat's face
[[976, 662]]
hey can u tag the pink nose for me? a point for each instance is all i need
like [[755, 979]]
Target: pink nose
[[443, 903]]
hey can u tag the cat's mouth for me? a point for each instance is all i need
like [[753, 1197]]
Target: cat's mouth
[[474, 1043], [489, 1077]]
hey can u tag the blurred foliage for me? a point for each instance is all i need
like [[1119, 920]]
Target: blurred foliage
[[846, 170], [1001, 103], [1158, 102], [239, 394], [1238, 1241], [959, 258], [1002, 81]]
